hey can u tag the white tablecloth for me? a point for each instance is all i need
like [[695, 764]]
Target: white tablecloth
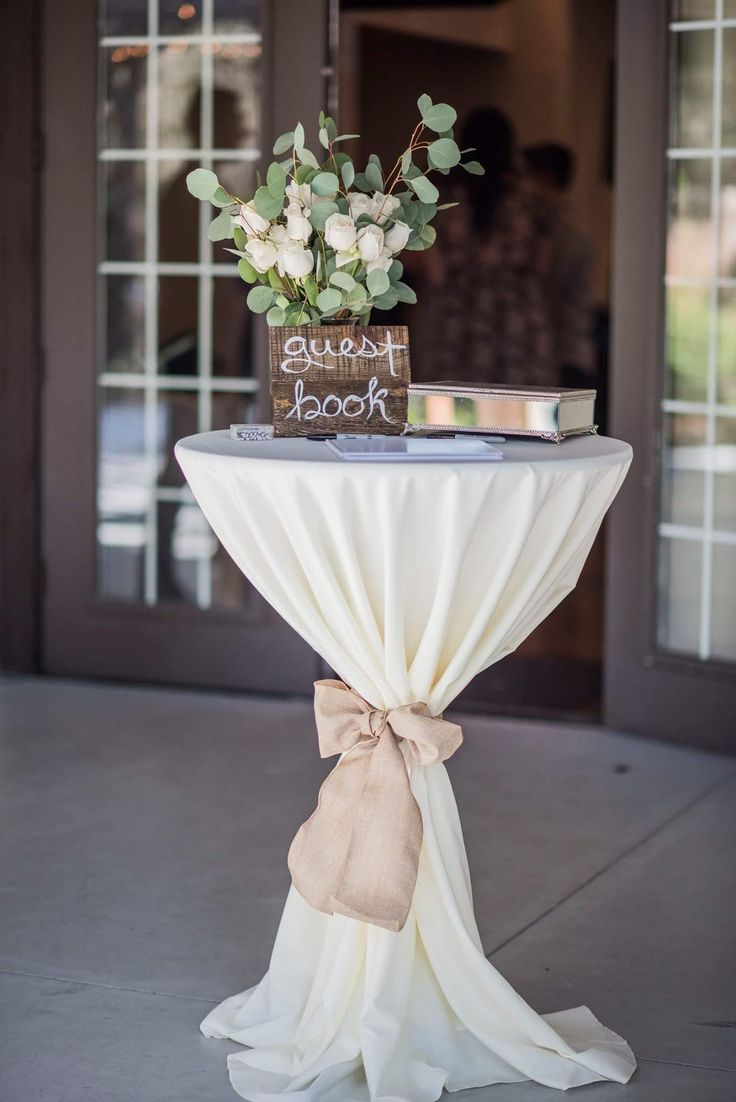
[[408, 579]]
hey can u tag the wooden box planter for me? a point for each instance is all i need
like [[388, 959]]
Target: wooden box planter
[[339, 378]]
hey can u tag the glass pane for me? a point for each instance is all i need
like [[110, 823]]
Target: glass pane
[[724, 496], [237, 16], [728, 88], [123, 309], [236, 99], [683, 467], [177, 325], [124, 17], [727, 244], [727, 347], [687, 330], [123, 117], [185, 545], [692, 108], [179, 99], [729, 9], [177, 17], [177, 417], [678, 627], [723, 610], [689, 247], [232, 329], [692, 9], [178, 220], [123, 198], [153, 542]]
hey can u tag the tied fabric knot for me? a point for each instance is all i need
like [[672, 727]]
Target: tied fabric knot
[[358, 853]]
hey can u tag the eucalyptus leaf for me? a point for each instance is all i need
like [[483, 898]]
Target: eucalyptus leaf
[[260, 298], [311, 289], [444, 153], [396, 270], [307, 157], [423, 188], [275, 279], [387, 301], [377, 282], [348, 173], [329, 125], [275, 316], [446, 206], [357, 296], [220, 228], [276, 180], [322, 117], [320, 212], [439, 117], [329, 300], [405, 292], [405, 161], [246, 271], [297, 313], [428, 235], [475, 168], [424, 103], [427, 211], [284, 142], [239, 237], [202, 184], [345, 137], [342, 279], [304, 174], [373, 176], [268, 205], [325, 183], [360, 182], [298, 136], [221, 198], [324, 138]]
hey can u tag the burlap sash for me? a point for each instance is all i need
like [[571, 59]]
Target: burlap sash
[[357, 854]]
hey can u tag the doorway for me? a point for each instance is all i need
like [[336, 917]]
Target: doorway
[[536, 61]]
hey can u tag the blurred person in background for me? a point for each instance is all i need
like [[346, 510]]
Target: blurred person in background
[[550, 171], [485, 298]]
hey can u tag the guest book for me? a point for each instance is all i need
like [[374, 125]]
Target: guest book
[[549, 413]]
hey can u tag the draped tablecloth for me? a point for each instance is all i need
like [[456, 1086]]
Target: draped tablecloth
[[408, 578]]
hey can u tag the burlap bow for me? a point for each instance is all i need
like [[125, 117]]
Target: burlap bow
[[357, 854]]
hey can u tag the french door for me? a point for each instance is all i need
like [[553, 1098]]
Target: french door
[[145, 332], [671, 654]]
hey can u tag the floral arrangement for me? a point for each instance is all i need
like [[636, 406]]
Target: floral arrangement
[[320, 241]]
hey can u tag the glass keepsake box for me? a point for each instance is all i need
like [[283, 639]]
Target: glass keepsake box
[[549, 413]]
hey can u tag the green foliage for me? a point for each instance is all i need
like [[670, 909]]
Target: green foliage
[[246, 271], [202, 184], [475, 168], [260, 298], [325, 183], [329, 290], [377, 282], [220, 228]]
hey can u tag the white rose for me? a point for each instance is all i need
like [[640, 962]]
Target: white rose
[[262, 254], [278, 234], [370, 242], [383, 263], [295, 260], [383, 207], [340, 232], [360, 204], [397, 236], [298, 227], [251, 221], [299, 193]]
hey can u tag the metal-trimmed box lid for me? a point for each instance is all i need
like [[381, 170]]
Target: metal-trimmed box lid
[[551, 413]]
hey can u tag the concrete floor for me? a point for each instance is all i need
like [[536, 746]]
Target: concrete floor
[[143, 844]]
